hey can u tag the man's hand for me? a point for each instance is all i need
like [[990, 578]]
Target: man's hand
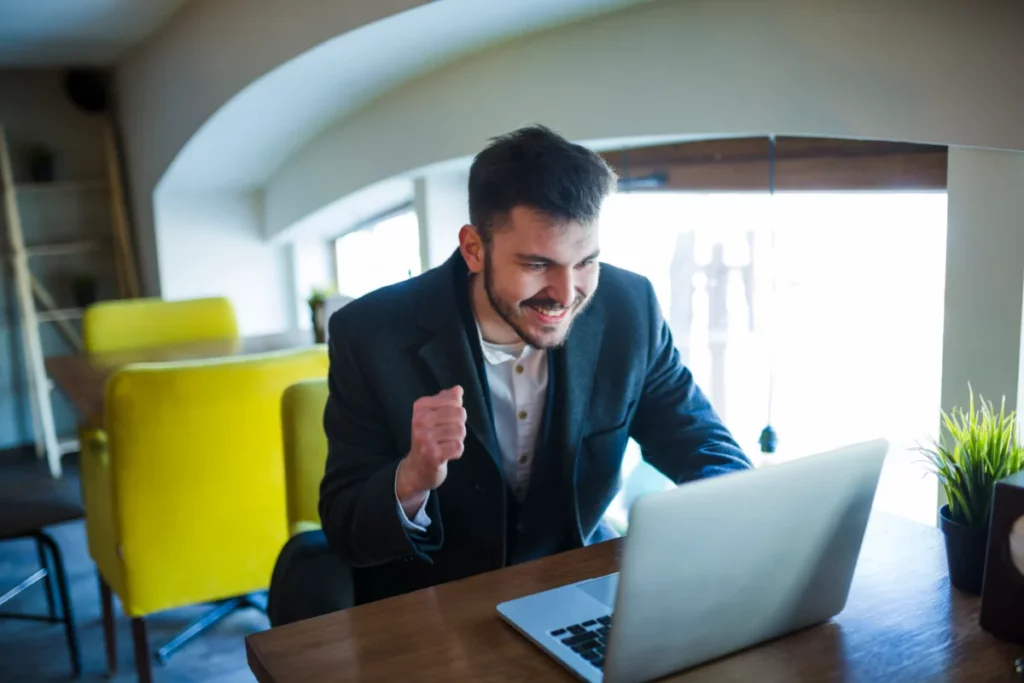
[[438, 435]]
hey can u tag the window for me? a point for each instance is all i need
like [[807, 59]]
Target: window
[[378, 254], [824, 309]]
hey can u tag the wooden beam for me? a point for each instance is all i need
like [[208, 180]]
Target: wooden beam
[[124, 252], [802, 164]]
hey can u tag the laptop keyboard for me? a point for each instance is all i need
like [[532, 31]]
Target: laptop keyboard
[[587, 639]]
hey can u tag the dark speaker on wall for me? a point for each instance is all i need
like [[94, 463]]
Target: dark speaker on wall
[[87, 89], [1002, 593]]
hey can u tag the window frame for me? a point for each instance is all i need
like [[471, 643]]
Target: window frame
[[366, 224]]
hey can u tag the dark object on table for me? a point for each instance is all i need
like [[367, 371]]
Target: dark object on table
[[24, 515], [965, 552], [1002, 599], [84, 290], [41, 164]]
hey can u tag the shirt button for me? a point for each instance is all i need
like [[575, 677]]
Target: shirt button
[[522, 414], [523, 459], [519, 369]]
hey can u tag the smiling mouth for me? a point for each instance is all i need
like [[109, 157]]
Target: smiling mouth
[[550, 315]]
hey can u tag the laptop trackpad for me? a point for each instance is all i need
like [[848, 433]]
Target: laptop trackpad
[[602, 589]]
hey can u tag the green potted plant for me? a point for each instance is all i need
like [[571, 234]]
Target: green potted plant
[[979, 447], [316, 308]]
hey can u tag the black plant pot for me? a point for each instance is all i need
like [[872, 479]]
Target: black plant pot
[[966, 547], [317, 310]]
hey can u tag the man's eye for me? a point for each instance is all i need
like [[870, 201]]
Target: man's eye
[[536, 266], [588, 262]]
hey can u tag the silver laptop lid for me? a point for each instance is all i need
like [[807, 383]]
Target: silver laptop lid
[[759, 554]]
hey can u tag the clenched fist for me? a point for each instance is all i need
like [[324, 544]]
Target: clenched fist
[[438, 435]]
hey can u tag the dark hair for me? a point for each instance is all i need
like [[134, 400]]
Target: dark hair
[[536, 167]]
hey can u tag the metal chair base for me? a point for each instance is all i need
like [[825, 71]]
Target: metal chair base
[[209, 620], [140, 639], [49, 556]]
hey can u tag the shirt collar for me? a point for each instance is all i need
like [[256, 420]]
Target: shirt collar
[[495, 354]]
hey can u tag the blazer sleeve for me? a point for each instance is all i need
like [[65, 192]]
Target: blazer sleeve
[[678, 431], [359, 513]]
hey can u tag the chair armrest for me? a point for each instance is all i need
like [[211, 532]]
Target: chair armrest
[[99, 498]]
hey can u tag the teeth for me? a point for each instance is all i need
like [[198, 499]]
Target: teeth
[[552, 312]]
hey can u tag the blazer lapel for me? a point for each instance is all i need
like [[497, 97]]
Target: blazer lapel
[[579, 358], [448, 354]]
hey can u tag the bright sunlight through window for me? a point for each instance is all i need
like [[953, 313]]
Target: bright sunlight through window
[[381, 254], [822, 309]]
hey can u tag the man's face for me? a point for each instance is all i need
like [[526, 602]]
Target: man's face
[[539, 274]]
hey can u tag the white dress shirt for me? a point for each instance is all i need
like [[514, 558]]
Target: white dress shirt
[[518, 378]]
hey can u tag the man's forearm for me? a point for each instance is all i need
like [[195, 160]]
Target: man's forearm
[[409, 498], [414, 514]]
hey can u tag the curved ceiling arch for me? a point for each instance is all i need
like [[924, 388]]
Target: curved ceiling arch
[[196, 62], [241, 144], [918, 72]]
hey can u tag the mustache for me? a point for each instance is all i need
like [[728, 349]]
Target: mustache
[[551, 303]]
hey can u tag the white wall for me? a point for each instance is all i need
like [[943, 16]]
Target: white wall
[[212, 245], [984, 277], [442, 208], [208, 52], [916, 70]]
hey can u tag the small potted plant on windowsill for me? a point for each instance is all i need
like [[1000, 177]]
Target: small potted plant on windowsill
[[980, 447], [316, 301]]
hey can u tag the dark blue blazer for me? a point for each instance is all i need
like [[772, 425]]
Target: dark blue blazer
[[620, 377]]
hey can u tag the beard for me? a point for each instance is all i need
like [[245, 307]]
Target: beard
[[514, 315]]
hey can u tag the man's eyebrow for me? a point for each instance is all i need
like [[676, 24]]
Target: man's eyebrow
[[534, 258], [537, 258]]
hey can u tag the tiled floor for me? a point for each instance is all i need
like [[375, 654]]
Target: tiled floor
[[31, 651]]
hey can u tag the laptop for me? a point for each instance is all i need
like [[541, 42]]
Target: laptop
[[712, 567]]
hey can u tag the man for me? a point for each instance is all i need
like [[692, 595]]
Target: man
[[478, 414]]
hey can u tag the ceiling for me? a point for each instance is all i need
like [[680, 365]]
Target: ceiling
[[52, 33], [291, 104]]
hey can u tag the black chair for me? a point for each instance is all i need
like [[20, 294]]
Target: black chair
[[25, 514], [308, 581]]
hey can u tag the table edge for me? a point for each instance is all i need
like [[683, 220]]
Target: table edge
[[256, 666]]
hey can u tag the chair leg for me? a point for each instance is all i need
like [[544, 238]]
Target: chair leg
[[257, 601], [109, 634], [65, 600], [142, 666], [50, 604], [206, 621]]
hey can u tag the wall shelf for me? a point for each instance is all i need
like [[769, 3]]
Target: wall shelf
[[59, 314], [62, 186], [62, 248]]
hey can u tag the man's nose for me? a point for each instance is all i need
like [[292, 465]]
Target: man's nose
[[562, 287]]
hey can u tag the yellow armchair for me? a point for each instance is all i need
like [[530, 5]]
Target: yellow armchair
[[305, 451], [129, 324], [185, 491]]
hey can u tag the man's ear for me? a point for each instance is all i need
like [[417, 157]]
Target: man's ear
[[472, 248]]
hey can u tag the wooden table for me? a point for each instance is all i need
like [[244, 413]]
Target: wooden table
[[83, 377], [903, 622]]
